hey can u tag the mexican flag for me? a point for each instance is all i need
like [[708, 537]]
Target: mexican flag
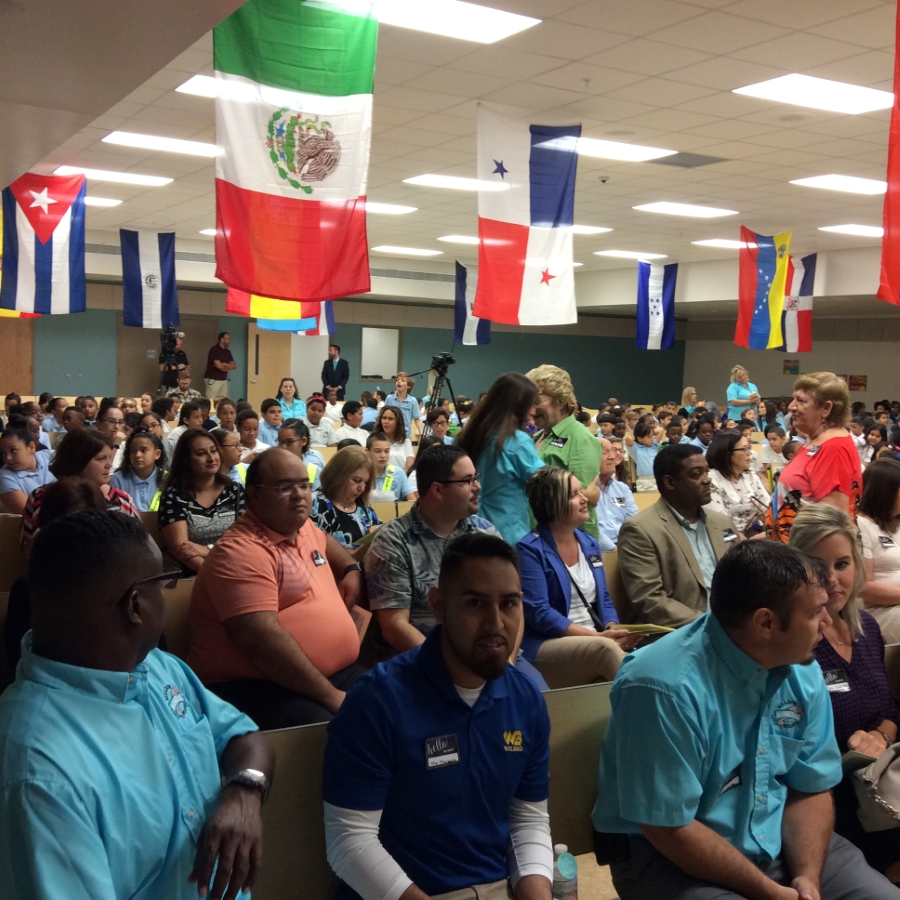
[[293, 123]]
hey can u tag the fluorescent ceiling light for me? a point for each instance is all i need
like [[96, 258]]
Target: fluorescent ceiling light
[[629, 254], [685, 209], [848, 183], [722, 243], [389, 209], [875, 231], [407, 251], [459, 239], [199, 85], [153, 142], [454, 183], [209, 232], [577, 264], [589, 229], [620, 151], [820, 93], [100, 201], [120, 177]]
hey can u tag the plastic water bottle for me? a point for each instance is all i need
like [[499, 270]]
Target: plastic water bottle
[[565, 874]]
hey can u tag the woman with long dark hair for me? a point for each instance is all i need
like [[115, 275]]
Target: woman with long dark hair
[[503, 453], [390, 422], [292, 407]]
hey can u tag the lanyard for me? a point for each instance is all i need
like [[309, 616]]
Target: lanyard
[[594, 617]]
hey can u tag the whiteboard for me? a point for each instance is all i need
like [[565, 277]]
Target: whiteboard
[[380, 355]]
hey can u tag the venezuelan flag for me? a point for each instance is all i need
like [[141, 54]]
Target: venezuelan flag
[[763, 274]]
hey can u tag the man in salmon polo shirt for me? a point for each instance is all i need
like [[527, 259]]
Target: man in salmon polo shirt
[[270, 625]]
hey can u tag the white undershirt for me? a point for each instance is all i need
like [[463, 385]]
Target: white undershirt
[[583, 576]]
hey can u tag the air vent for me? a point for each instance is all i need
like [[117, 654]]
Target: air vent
[[688, 160]]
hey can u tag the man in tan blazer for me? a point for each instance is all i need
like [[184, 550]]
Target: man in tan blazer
[[667, 553]]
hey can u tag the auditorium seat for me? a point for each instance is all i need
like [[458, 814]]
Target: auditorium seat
[[151, 523], [385, 510], [404, 506], [175, 618], [326, 452], [757, 437], [12, 563], [295, 864], [892, 665], [645, 501], [54, 437], [614, 583]]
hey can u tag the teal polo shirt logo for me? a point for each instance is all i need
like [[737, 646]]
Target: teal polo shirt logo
[[789, 714], [175, 699]]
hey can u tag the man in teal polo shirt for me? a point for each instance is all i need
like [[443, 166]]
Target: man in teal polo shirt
[[120, 774], [717, 766]]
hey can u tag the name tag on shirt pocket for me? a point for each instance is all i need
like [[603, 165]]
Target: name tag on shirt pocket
[[595, 561], [729, 536], [558, 442], [441, 751], [318, 559], [619, 501], [836, 681], [885, 540]]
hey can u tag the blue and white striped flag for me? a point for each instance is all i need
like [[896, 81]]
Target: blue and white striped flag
[[148, 278], [656, 306], [468, 329]]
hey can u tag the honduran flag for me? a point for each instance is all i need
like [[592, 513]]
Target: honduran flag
[[525, 210], [656, 306], [148, 278], [763, 275], [293, 123], [468, 329], [796, 323], [43, 245]]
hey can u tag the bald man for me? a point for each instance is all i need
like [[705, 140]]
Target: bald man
[[120, 774], [271, 630]]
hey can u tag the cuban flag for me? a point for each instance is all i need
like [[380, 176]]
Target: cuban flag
[[468, 329], [656, 306], [763, 274], [525, 217], [796, 323], [43, 245], [148, 278]]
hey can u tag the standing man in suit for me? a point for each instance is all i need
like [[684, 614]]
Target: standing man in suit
[[668, 553], [335, 371]]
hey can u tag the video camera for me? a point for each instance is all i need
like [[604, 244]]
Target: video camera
[[168, 341], [441, 362]]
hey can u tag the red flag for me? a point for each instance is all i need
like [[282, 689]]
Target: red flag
[[889, 288]]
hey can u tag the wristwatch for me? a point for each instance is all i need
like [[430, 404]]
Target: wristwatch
[[354, 567], [887, 738], [251, 778]]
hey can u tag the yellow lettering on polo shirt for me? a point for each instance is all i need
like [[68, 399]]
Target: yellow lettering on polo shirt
[[513, 741]]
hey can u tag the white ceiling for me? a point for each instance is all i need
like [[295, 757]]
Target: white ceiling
[[658, 72]]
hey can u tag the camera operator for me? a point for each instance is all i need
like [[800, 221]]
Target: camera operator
[[172, 359]]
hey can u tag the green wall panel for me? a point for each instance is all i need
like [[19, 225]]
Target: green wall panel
[[75, 354]]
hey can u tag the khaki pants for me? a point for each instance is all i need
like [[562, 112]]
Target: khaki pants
[[215, 389], [496, 890], [571, 661]]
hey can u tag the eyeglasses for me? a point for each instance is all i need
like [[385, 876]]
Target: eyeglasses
[[466, 481], [741, 449], [287, 488], [114, 421], [231, 446], [168, 578], [288, 443]]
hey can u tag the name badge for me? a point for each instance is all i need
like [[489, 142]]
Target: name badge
[[886, 541], [619, 501], [729, 536], [441, 751], [558, 442], [318, 559], [813, 451], [836, 681], [595, 560], [732, 781]]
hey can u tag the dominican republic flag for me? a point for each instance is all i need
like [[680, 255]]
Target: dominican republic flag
[[796, 323], [148, 278], [324, 321], [525, 208], [468, 329], [294, 124], [889, 283], [656, 306], [43, 245], [763, 275]]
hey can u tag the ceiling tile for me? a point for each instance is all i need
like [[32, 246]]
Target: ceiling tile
[[535, 96], [608, 109], [803, 50], [456, 81], [647, 57], [630, 16], [867, 69], [555, 38], [797, 16], [445, 124], [515, 64], [600, 80], [391, 70], [660, 92], [417, 46], [671, 119], [725, 73], [872, 28], [409, 98], [716, 29], [732, 130]]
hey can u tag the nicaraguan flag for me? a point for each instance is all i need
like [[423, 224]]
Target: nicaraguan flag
[[763, 273], [656, 306], [525, 209], [468, 329], [43, 245], [148, 278], [796, 322]]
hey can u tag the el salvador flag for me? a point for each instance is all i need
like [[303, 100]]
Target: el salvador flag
[[656, 306], [148, 278], [468, 329]]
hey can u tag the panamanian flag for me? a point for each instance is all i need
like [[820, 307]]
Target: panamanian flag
[[525, 216], [656, 306], [43, 245], [468, 329]]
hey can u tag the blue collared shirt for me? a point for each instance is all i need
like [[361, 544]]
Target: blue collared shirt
[[699, 731], [698, 443], [698, 537], [409, 407], [142, 492], [296, 409], [643, 456], [268, 434], [106, 778], [26, 482], [399, 484], [616, 504]]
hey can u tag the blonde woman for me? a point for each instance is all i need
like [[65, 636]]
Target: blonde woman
[[342, 510], [689, 402], [740, 392], [851, 655]]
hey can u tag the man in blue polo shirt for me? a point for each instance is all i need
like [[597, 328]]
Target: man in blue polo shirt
[[717, 766], [120, 774], [438, 759]]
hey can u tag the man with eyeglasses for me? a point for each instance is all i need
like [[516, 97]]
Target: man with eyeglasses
[[404, 558], [616, 503], [120, 774], [271, 628]]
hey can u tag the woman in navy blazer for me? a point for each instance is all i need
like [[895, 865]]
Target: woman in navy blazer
[[562, 575]]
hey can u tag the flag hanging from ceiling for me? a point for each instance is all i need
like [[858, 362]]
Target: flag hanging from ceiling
[[796, 322], [295, 326], [468, 329], [293, 122], [240, 303], [889, 283], [43, 245], [656, 306], [525, 209], [148, 278], [324, 320], [763, 273], [9, 313]]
